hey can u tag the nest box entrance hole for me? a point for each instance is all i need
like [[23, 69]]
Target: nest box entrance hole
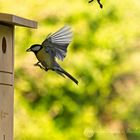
[[4, 45]]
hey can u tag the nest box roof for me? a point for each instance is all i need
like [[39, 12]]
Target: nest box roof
[[16, 20]]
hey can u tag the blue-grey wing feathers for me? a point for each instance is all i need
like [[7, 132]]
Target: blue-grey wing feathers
[[58, 42]]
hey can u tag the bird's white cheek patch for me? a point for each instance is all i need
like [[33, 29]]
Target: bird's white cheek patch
[[36, 48]]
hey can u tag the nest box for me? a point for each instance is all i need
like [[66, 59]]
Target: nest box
[[7, 24]]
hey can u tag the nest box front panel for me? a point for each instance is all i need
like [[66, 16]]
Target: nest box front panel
[[6, 49], [6, 112], [6, 82], [7, 23]]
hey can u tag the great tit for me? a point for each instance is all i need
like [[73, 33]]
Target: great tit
[[54, 46]]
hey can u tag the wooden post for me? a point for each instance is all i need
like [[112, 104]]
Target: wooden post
[[7, 24]]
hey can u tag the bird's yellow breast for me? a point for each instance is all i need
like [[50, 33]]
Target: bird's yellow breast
[[45, 58]]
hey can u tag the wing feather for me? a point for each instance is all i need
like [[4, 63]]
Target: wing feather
[[63, 30], [58, 42]]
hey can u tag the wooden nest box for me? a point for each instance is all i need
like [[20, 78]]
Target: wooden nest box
[[7, 24]]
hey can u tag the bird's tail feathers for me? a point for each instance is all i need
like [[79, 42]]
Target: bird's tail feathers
[[70, 76], [63, 73], [60, 73]]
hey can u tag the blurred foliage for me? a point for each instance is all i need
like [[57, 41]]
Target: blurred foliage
[[104, 56]]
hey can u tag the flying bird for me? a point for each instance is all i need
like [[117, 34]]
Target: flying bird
[[54, 46], [101, 6]]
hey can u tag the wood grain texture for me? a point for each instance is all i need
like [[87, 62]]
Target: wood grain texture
[[16, 20], [6, 112], [6, 58], [6, 78], [6, 81], [7, 22]]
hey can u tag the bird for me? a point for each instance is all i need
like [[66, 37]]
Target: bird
[[101, 6], [54, 46]]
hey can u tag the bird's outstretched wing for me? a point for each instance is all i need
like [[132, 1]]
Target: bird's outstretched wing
[[56, 44]]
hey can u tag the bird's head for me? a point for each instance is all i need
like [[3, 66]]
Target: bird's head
[[34, 48]]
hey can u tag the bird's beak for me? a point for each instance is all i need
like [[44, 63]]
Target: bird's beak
[[28, 50]]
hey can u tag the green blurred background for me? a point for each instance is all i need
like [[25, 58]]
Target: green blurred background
[[104, 56]]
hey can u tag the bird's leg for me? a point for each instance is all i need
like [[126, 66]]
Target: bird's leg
[[38, 64]]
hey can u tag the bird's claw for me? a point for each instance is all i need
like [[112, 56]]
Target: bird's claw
[[46, 69]]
